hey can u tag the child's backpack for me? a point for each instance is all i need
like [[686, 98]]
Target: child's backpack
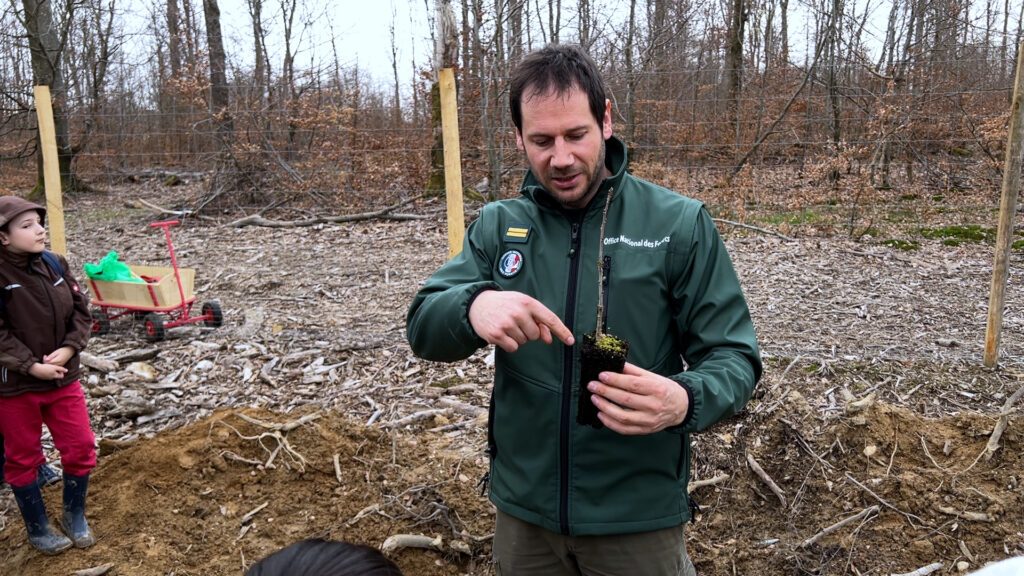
[[54, 264]]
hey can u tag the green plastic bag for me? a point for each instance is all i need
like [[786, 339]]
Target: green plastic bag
[[110, 269]]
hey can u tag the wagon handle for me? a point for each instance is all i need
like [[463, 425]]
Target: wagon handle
[[166, 225]]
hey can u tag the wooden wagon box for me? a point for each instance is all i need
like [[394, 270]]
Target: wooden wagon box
[[159, 291]]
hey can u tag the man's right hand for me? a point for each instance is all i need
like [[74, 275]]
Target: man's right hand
[[510, 319]]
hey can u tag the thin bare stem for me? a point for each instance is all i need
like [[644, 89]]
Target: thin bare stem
[[598, 331]]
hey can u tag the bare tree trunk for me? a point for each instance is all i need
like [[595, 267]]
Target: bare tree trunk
[[584, 26], [191, 31], [465, 35], [631, 76], [446, 55], [515, 41], [832, 72], [288, 8], [218, 84], [1004, 71], [173, 38], [492, 111], [554, 19], [784, 31], [734, 61], [261, 70], [540, 23], [98, 34], [47, 38], [396, 100]]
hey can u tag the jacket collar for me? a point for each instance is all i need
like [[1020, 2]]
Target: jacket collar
[[616, 158], [22, 261]]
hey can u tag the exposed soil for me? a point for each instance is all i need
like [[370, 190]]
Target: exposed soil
[[874, 395]]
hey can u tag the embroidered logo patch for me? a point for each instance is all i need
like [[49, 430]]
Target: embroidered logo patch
[[517, 234], [511, 263]]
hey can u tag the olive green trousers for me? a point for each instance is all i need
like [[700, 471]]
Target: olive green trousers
[[523, 549]]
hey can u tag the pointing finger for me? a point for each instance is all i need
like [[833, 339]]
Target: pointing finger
[[558, 329]]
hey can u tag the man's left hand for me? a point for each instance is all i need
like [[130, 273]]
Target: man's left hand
[[638, 402]]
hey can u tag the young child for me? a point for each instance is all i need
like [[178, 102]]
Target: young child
[[44, 324]]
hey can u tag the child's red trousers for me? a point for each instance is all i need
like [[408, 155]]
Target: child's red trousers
[[65, 414]]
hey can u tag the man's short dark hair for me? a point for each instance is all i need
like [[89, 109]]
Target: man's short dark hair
[[317, 557], [559, 68]]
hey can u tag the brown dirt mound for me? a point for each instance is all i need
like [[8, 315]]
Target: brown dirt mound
[[178, 503], [937, 501]]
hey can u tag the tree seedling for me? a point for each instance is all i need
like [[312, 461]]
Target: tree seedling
[[600, 351]]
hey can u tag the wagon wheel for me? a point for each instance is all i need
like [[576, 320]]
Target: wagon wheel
[[153, 325], [100, 323], [215, 318]]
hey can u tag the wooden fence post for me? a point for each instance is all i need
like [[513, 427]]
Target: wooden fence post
[[51, 171], [1007, 212], [452, 161]]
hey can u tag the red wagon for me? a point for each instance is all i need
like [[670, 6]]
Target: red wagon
[[164, 300]]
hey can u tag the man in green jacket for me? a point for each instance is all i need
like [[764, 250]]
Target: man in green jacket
[[575, 499]]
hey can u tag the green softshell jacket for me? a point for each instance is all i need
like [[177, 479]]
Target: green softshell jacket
[[672, 293]]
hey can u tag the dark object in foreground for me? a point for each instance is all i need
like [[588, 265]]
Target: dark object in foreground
[[607, 355]]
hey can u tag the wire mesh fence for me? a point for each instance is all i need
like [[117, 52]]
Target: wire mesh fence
[[790, 153]]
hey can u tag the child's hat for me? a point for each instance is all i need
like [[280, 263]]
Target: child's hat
[[13, 206]]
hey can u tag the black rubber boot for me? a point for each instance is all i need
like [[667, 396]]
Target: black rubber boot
[[46, 476], [33, 511], [73, 521]]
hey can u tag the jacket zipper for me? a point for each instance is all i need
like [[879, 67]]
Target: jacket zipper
[[53, 307], [570, 306]]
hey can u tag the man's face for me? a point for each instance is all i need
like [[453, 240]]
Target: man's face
[[25, 234], [564, 144]]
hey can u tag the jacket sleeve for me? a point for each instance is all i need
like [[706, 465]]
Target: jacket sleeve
[[79, 325], [717, 335], [14, 355], [437, 323]]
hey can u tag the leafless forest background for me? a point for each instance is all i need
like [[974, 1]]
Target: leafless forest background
[[803, 114]]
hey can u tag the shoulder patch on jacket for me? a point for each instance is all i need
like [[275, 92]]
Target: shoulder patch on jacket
[[517, 234]]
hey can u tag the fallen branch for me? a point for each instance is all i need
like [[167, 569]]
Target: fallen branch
[[337, 469], [417, 417], [94, 571], [364, 512], [966, 515], [155, 208], [928, 453], [257, 220], [97, 363], [286, 427], [252, 513], [400, 541], [755, 228], [923, 571], [766, 478], [1004, 419], [718, 479], [882, 501], [232, 456], [863, 513], [282, 444], [861, 405]]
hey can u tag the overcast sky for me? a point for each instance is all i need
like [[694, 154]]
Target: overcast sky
[[361, 30]]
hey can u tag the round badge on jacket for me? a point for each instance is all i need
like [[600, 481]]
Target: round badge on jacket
[[511, 263]]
